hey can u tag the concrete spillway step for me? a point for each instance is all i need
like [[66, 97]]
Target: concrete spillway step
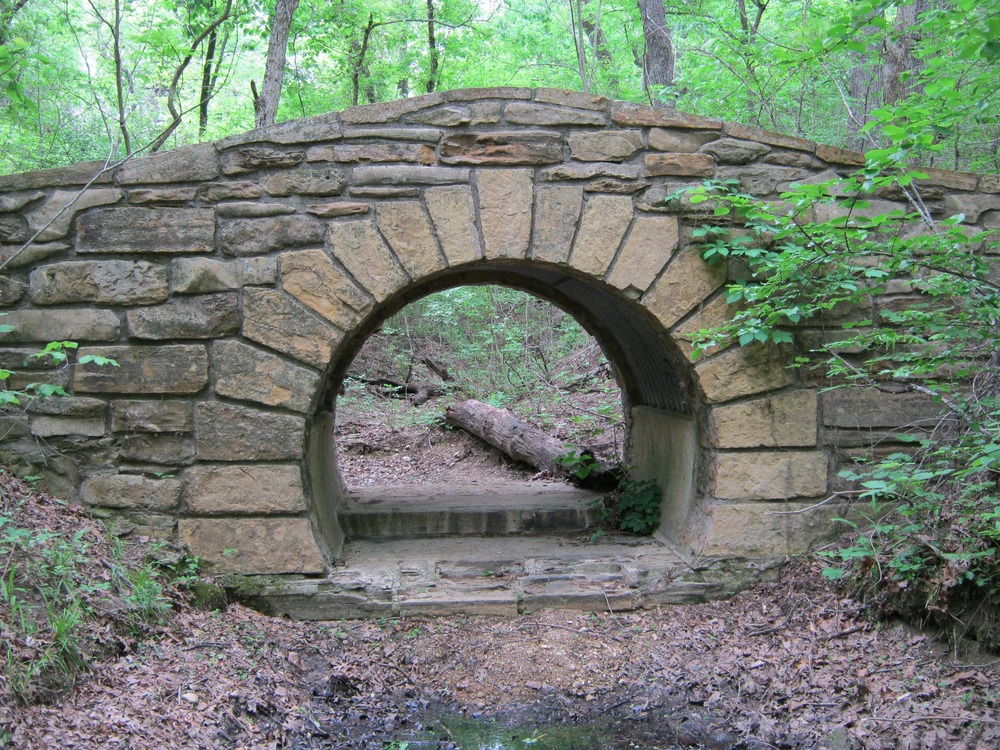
[[489, 509]]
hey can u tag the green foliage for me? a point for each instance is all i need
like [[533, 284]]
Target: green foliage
[[633, 507]]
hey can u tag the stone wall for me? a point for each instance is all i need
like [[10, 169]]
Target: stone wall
[[234, 281]]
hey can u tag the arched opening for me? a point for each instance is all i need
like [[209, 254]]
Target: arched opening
[[663, 420]]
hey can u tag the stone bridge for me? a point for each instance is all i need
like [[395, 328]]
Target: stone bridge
[[234, 282]]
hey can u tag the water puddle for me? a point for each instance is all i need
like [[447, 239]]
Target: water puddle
[[467, 733]]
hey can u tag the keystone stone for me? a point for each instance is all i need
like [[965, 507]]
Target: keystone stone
[[505, 211], [408, 231], [306, 182], [557, 211], [247, 373], [146, 230], [454, 216], [61, 325], [280, 323], [244, 489], [364, 254], [318, 283], [605, 220], [253, 546], [110, 282], [188, 164], [502, 148], [175, 368], [243, 237], [131, 491], [527, 113], [152, 416], [607, 145], [252, 158], [227, 432], [202, 317]]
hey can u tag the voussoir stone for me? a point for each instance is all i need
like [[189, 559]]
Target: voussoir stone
[[131, 491], [454, 215], [108, 282], [247, 373], [502, 148], [306, 182], [146, 230], [229, 432], [252, 158], [317, 282], [244, 489], [61, 325], [505, 203], [187, 164], [364, 254], [173, 368], [605, 220], [152, 416], [408, 231], [281, 323], [199, 317], [651, 243], [605, 145], [557, 211], [241, 237], [687, 281], [253, 546]]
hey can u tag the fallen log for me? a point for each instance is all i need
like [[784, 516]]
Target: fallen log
[[524, 442], [420, 392]]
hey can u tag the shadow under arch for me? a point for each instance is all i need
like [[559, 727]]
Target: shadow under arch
[[664, 418]]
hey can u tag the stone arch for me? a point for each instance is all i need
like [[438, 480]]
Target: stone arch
[[231, 280]]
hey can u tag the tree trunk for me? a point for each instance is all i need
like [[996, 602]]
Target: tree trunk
[[899, 58], [864, 87], [658, 58], [432, 50], [207, 82], [265, 105], [521, 441]]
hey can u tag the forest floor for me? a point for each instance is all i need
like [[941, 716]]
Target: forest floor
[[794, 663]]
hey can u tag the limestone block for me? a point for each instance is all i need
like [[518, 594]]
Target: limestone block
[[528, 113], [770, 475], [768, 530], [948, 179], [146, 230], [323, 127], [746, 133], [69, 406], [19, 256], [108, 282], [862, 408], [201, 275], [75, 174], [605, 145], [834, 155], [157, 448], [317, 282], [509, 148], [364, 254], [589, 171], [505, 198], [763, 179], [252, 210], [783, 420], [228, 432], [578, 99], [162, 195], [11, 291], [408, 231], [13, 228], [253, 546], [281, 323], [420, 135], [680, 141], [243, 237], [794, 159], [605, 220], [971, 205], [205, 316], [337, 208], [710, 315], [45, 426], [491, 92], [16, 201], [152, 416], [448, 116], [743, 372], [373, 153], [681, 165], [61, 325], [619, 187], [306, 182], [830, 211], [54, 217], [187, 164], [733, 151], [687, 281], [366, 191], [213, 192], [131, 491], [174, 368], [407, 175], [989, 183], [252, 158], [557, 211], [247, 373], [628, 113], [454, 216], [244, 489], [389, 111], [651, 243]]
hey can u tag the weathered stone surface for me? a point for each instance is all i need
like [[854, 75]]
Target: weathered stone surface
[[834, 155], [566, 98], [248, 488], [420, 135], [505, 202], [743, 372], [109, 282], [733, 151], [407, 175], [557, 211], [485, 113], [244, 237], [710, 315], [306, 182], [247, 373], [379, 192], [763, 475], [448, 116], [518, 147], [408, 231], [605, 220], [860, 408], [389, 111], [314, 280], [53, 218], [13, 228], [783, 420], [687, 281], [757, 529], [61, 325], [971, 205], [762, 179], [252, 210], [201, 275], [794, 159], [175, 368], [76, 174], [682, 165], [140, 196], [491, 92], [364, 254], [201, 317], [324, 127], [252, 158], [228, 432], [152, 416], [187, 164], [214, 192], [989, 183], [46, 426], [165, 449], [618, 187], [605, 145], [19, 256], [281, 323], [337, 208], [951, 180], [651, 243], [528, 113], [589, 171], [11, 291], [454, 217], [373, 153], [735, 130], [146, 230], [253, 546], [16, 201], [131, 491], [872, 208], [627, 113], [69, 406]]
